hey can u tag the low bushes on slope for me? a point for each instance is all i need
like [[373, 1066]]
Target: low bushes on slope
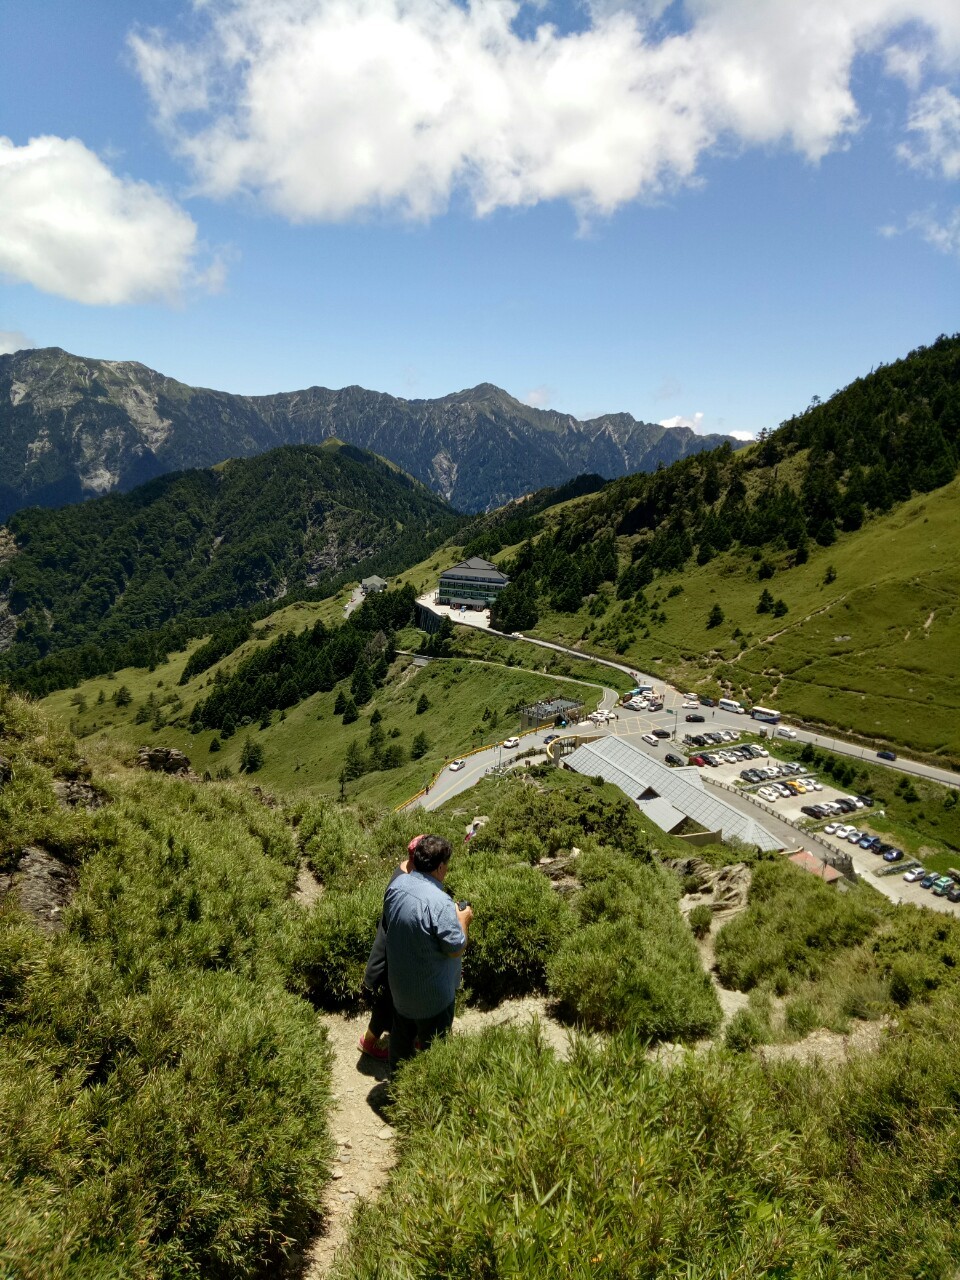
[[792, 925], [163, 1099], [519, 921], [632, 962], [513, 1163]]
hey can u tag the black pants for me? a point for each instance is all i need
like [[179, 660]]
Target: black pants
[[406, 1031], [381, 1010]]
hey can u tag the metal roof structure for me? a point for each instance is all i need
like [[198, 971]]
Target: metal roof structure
[[474, 567], [648, 782]]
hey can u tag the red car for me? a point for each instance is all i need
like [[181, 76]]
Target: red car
[[697, 760]]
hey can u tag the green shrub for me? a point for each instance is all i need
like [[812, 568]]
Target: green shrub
[[519, 922], [792, 924], [516, 1164], [700, 919], [745, 1030], [140, 1145], [334, 943], [801, 1016], [633, 962]]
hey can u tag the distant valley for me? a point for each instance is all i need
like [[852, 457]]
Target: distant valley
[[73, 428]]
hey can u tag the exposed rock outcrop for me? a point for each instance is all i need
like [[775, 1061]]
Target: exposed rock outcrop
[[42, 886]]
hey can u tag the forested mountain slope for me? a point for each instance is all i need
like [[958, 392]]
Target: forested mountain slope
[[113, 581], [71, 427], [819, 569]]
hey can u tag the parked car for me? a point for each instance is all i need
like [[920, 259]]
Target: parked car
[[942, 886], [915, 873], [673, 759], [886, 755], [697, 760], [694, 719], [661, 733], [893, 855], [929, 880], [457, 765], [866, 800], [768, 793], [953, 895], [810, 810], [707, 702]]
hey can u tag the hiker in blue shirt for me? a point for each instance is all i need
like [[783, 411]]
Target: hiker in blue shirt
[[426, 936]]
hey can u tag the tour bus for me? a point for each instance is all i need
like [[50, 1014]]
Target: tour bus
[[731, 704], [764, 713]]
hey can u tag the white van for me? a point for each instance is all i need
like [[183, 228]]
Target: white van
[[784, 731], [731, 704]]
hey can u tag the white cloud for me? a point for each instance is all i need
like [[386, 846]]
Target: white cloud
[[935, 120], [71, 227], [13, 340], [539, 397], [741, 435], [695, 422], [328, 108], [942, 234]]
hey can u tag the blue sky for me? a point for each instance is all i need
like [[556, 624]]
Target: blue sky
[[706, 212]]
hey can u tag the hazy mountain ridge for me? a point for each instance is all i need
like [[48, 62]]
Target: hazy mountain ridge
[[72, 427]]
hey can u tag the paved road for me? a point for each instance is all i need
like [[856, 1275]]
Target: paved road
[[724, 720]]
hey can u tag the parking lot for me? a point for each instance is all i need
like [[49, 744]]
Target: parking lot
[[866, 862]]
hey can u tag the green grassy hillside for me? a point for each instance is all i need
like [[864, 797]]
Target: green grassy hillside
[[164, 1067], [472, 702], [869, 643]]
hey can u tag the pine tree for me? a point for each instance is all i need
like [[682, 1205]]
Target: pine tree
[[423, 704], [215, 743], [122, 697], [779, 609], [350, 712], [419, 747], [355, 762], [339, 702], [361, 686], [251, 756], [716, 617], [766, 602]]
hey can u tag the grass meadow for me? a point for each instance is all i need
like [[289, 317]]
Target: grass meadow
[[871, 653], [472, 702]]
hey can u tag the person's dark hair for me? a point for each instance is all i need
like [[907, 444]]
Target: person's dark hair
[[431, 852]]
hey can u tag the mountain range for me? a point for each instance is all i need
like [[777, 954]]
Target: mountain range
[[73, 428]]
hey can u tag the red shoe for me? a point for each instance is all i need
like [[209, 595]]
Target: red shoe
[[376, 1050]]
